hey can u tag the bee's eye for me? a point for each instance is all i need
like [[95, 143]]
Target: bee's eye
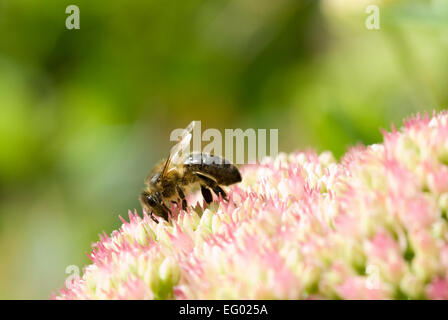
[[151, 201]]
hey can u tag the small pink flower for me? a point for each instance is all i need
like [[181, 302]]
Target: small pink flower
[[357, 288], [438, 289]]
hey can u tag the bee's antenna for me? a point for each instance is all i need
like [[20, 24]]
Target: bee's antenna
[[165, 167]]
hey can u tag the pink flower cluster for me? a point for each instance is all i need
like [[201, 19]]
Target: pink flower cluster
[[300, 226]]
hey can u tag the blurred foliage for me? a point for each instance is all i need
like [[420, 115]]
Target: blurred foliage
[[86, 113]]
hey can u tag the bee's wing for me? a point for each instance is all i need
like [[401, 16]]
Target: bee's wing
[[180, 151]]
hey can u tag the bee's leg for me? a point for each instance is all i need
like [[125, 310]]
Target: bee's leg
[[206, 194], [182, 196], [218, 191], [212, 184], [152, 217], [165, 211]]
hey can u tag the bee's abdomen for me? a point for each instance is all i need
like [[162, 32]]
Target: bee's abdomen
[[224, 172]]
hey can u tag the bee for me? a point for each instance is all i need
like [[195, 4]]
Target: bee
[[182, 173]]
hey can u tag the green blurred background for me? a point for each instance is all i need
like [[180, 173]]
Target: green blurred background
[[84, 114]]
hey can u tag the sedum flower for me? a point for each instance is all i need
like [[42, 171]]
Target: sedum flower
[[299, 226]]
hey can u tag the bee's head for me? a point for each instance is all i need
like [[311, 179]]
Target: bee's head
[[148, 200], [152, 202]]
